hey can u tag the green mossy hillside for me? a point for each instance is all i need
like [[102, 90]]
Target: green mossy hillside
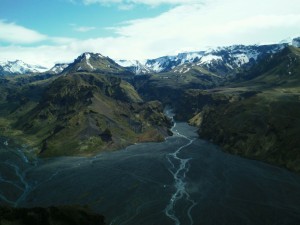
[[257, 115], [82, 114]]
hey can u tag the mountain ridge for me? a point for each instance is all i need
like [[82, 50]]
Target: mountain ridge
[[157, 65]]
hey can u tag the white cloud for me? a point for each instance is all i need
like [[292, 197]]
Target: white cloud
[[185, 27], [145, 2], [126, 6], [84, 29], [12, 33], [215, 23]]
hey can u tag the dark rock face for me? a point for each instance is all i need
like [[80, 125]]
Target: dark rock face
[[63, 215]]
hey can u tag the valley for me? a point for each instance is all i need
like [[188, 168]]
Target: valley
[[96, 133], [183, 180]]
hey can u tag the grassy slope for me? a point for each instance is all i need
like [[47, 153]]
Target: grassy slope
[[82, 113], [259, 116]]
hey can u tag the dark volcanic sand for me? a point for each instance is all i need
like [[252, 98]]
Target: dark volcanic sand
[[183, 180]]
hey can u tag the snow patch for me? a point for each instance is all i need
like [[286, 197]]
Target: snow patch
[[100, 56], [240, 59], [209, 58], [187, 70], [87, 57]]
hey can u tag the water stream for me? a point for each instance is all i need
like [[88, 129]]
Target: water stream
[[179, 168], [13, 174]]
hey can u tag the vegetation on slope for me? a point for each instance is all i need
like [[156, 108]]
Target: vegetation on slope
[[81, 113], [256, 118]]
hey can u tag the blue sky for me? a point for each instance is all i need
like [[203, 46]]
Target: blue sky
[[50, 31], [73, 19]]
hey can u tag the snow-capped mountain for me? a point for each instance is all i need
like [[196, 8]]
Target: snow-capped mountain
[[135, 66], [225, 60], [94, 62], [167, 63], [221, 59], [19, 67], [58, 68]]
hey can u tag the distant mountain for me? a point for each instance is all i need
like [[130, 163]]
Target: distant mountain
[[18, 67], [58, 68], [135, 66], [221, 60], [167, 63]]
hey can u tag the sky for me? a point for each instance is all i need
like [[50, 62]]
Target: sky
[[46, 32]]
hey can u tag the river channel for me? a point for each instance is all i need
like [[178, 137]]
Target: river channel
[[181, 181]]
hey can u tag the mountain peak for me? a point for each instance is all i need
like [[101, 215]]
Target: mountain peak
[[96, 63], [88, 55]]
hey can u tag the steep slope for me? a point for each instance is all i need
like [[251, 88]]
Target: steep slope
[[257, 117], [84, 113]]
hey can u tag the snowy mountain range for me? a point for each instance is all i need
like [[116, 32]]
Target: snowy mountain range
[[19, 67], [221, 60]]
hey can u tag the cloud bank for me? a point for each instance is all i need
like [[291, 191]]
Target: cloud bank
[[189, 25], [15, 34]]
